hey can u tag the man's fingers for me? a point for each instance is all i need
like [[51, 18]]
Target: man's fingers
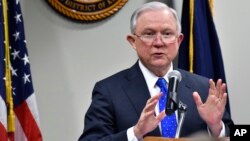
[[212, 84], [151, 103], [224, 99], [223, 90], [197, 98], [161, 115], [156, 97]]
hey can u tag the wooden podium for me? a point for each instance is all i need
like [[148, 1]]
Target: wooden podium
[[185, 139]]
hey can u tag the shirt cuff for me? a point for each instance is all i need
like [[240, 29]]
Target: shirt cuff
[[222, 132], [131, 135]]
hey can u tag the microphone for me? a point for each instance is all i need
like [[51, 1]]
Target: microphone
[[174, 78]]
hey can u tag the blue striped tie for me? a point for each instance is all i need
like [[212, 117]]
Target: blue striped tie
[[168, 124]]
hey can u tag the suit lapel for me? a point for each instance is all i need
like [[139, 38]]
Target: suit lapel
[[136, 89], [138, 93]]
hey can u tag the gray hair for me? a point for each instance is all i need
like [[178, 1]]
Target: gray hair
[[152, 6]]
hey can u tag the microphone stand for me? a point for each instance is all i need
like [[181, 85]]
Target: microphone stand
[[182, 108]]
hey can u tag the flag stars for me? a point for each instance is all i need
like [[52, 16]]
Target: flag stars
[[13, 71], [25, 59], [17, 1], [26, 78], [15, 54], [18, 17], [16, 35], [13, 91]]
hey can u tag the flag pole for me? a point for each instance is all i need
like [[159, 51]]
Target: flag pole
[[191, 37], [9, 99]]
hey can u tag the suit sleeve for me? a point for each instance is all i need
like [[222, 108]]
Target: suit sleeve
[[99, 120]]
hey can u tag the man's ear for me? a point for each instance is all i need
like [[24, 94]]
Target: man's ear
[[180, 38], [131, 40]]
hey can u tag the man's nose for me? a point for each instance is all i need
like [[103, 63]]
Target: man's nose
[[158, 40]]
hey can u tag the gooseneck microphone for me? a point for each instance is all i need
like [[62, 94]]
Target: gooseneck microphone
[[174, 77]]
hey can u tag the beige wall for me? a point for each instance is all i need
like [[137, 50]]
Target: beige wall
[[67, 58]]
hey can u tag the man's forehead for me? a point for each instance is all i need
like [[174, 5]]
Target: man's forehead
[[152, 14], [164, 18]]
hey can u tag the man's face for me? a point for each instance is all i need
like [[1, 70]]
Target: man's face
[[157, 53]]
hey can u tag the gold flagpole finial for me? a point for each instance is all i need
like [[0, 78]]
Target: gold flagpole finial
[[211, 4]]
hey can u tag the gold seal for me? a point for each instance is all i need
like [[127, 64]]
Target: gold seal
[[87, 10]]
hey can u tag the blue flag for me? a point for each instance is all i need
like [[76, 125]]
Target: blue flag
[[200, 51]]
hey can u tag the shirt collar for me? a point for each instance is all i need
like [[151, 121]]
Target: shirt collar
[[150, 77]]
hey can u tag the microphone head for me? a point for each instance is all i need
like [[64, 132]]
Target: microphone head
[[176, 74]]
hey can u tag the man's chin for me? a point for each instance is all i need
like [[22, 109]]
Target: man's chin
[[160, 64]]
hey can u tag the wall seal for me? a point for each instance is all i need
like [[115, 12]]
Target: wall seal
[[87, 10]]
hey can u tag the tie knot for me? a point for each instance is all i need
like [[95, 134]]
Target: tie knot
[[162, 83]]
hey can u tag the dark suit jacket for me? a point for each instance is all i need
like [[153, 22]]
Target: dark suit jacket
[[118, 101]]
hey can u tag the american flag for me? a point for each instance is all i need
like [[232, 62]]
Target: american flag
[[17, 97]]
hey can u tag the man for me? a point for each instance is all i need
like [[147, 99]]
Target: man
[[125, 106]]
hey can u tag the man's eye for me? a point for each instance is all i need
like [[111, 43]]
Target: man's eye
[[149, 34], [168, 34]]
